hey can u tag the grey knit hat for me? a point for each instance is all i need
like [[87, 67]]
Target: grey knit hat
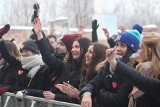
[[30, 45]]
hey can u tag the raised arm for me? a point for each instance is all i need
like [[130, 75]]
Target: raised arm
[[144, 83], [4, 52], [94, 31], [50, 59], [9, 58]]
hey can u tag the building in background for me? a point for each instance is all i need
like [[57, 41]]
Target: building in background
[[104, 13]]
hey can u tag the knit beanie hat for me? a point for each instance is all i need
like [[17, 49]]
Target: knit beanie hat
[[30, 45], [138, 27], [131, 38], [68, 39]]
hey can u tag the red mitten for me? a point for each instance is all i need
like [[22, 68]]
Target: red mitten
[[4, 89], [4, 30]]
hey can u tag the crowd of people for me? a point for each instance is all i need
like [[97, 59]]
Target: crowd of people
[[123, 73]]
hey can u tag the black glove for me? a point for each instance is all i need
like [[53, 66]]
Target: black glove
[[94, 31], [94, 24]]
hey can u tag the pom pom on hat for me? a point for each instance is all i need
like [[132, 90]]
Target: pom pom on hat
[[131, 38], [138, 27]]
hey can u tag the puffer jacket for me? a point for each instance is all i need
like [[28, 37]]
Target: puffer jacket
[[65, 72], [151, 87], [109, 89]]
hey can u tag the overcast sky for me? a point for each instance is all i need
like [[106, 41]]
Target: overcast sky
[[128, 11]]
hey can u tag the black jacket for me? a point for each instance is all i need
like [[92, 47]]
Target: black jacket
[[64, 71], [150, 86], [48, 76], [8, 76], [110, 89], [111, 42], [23, 81]]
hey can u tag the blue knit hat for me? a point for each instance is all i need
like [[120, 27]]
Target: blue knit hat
[[138, 27], [131, 38]]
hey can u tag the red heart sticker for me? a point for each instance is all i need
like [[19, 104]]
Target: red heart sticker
[[53, 78], [22, 46], [114, 84], [20, 72]]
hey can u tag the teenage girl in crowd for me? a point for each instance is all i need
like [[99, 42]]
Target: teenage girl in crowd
[[69, 70], [94, 55], [8, 75], [29, 66], [63, 48], [109, 89], [146, 78]]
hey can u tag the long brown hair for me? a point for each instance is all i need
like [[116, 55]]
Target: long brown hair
[[99, 55], [12, 48], [84, 44], [151, 42]]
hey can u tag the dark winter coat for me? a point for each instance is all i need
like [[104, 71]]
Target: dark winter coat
[[25, 82], [109, 89], [8, 76], [150, 86], [49, 76], [64, 72]]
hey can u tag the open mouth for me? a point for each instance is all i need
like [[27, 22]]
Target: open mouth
[[74, 54]]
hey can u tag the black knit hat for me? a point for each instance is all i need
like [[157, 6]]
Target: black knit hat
[[30, 45]]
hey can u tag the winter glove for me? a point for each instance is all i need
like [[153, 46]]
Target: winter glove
[[20, 95], [4, 30], [94, 25], [94, 32], [4, 89]]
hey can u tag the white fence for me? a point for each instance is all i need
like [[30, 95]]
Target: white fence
[[9, 100]]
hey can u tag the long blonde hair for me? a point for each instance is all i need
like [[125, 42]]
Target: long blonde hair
[[101, 66], [151, 42]]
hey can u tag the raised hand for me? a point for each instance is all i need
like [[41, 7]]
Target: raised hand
[[4, 30], [94, 25], [106, 32], [53, 31], [37, 27], [110, 57], [110, 54], [80, 30], [122, 28]]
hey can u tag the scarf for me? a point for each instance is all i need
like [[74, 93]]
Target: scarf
[[32, 63], [146, 69]]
